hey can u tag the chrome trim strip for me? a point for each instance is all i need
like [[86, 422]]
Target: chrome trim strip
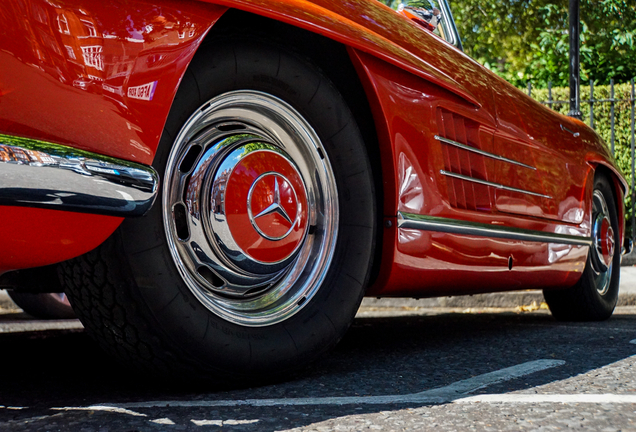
[[495, 185], [40, 174], [453, 226], [481, 152]]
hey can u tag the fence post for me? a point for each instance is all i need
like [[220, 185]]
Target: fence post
[[592, 104], [575, 67], [612, 136], [529, 89], [550, 94], [633, 98]]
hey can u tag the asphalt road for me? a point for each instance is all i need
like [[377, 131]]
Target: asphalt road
[[398, 368]]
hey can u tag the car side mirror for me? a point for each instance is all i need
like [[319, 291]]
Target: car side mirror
[[434, 16], [429, 19]]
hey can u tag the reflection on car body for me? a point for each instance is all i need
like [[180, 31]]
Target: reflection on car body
[[310, 153]]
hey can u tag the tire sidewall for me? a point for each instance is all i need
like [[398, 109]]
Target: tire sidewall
[[606, 302], [206, 338]]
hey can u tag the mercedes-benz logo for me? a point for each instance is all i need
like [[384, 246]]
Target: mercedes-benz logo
[[270, 202]]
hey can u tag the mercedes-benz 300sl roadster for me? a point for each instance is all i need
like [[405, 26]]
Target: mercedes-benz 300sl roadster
[[216, 184]]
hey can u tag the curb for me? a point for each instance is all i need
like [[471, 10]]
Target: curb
[[491, 300], [506, 299], [628, 260]]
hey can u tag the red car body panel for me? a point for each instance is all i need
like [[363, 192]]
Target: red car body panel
[[134, 77], [356, 23], [134, 72], [422, 259], [418, 87], [35, 237]]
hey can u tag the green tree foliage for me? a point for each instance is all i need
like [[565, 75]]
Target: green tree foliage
[[527, 40]]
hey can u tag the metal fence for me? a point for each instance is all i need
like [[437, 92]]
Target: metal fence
[[612, 101]]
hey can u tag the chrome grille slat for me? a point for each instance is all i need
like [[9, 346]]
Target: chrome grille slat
[[492, 184], [482, 152]]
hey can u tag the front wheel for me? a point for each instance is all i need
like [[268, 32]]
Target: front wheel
[[256, 260], [595, 295]]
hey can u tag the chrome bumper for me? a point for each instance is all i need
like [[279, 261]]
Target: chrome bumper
[[40, 174]]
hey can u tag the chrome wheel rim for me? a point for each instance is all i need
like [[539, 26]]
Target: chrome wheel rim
[[250, 208], [603, 247]]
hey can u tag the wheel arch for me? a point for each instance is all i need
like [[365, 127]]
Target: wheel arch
[[334, 60], [619, 187]]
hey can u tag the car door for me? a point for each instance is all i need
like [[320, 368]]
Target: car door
[[539, 175]]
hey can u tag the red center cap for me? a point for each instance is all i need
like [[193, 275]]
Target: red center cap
[[607, 241], [266, 206]]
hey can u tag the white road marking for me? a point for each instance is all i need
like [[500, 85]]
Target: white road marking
[[549, 398], [207, 422], [633, 341], [222, 422], [164, 421], [31, 326], [438, 395], [576, 327], [107, 408]]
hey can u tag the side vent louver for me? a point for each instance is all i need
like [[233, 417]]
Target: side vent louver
[[458, 160]]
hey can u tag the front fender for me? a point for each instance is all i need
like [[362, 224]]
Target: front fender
[[355, 23]]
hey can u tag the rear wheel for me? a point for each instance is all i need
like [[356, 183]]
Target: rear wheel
[[43, 305], [594, 297], [256, 259]]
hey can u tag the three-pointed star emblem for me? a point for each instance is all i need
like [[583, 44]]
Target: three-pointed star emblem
[[275, 207]]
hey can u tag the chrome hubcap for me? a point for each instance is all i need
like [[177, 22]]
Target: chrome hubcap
[[250, 208], [603, 249]]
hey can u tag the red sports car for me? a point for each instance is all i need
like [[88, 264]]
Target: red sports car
[[216, 184]]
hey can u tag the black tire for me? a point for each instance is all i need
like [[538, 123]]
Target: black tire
[[137, 303], [594, 296], [43, 305]]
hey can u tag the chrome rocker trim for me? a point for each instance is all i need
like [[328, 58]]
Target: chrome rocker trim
[[453, 226], [482, 152], [495, 185], [39, 174]]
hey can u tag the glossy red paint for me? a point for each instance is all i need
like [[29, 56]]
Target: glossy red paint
[[105, 74], [607, 242], [106, 71], [417, 86], [532, 134], [372, 27], [262, 181], [36, 237], [517, 122], [413, 111]]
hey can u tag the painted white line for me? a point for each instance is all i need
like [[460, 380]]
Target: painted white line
[[549, 398], [32, 326], [222, 422], [481, 381], [207, 422], [438, 395], [164, 421], [576, 327], [107, 408], [633, 341]]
